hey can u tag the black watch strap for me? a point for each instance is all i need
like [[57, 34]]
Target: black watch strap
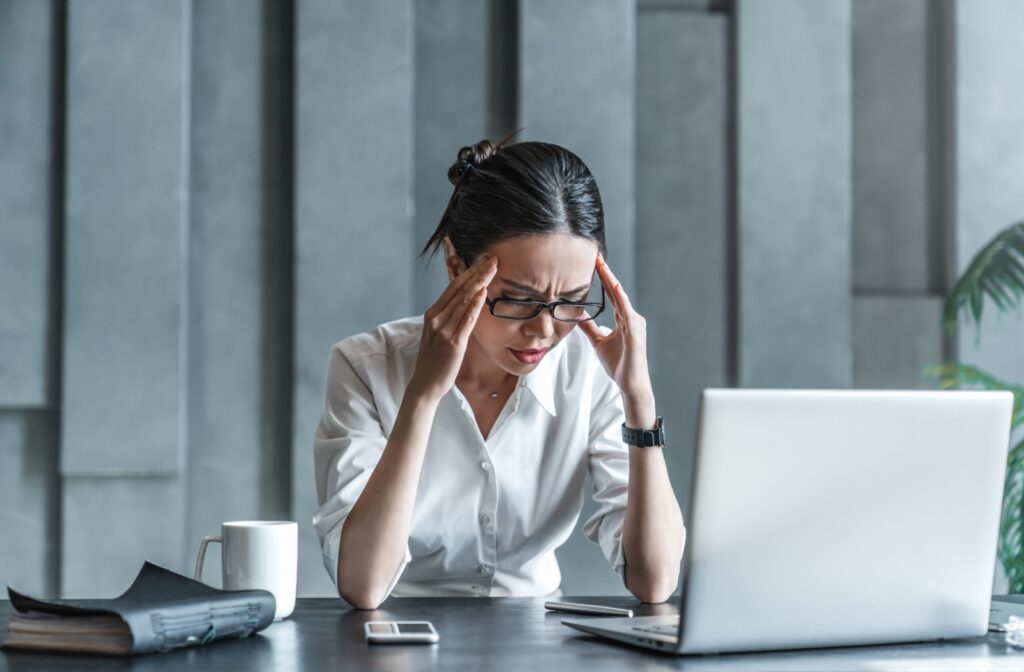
[[645, 438]]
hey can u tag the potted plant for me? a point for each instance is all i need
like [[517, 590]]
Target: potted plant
[[996, 273]]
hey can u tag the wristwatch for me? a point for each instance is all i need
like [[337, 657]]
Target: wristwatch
[[645, 438]]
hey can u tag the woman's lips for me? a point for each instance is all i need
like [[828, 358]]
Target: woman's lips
[[528, 356]]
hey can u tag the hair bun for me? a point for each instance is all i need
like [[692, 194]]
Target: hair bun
[[471, 157]]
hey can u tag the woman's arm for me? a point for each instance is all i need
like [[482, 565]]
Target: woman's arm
[[652, 532], [376, 532]]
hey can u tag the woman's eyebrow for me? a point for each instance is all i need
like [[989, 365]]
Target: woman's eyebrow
[[526, 289]]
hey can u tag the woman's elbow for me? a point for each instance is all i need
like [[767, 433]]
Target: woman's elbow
[[653, 594], [357, 591], [360, 599], [653, 589]]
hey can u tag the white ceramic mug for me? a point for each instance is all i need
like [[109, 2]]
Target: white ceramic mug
[[259, 554]]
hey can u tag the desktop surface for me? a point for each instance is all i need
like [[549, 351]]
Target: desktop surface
[[499, 634]]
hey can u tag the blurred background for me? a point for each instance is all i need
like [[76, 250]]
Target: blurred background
[[198, 198]]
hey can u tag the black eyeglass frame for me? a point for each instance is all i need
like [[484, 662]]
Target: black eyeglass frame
[[540, 305]]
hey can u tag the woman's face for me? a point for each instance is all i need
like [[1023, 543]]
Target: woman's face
[[544, 267]]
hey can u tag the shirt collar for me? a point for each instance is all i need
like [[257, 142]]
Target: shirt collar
[[541, 381]]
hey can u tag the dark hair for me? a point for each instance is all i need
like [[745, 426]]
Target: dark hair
[[504, 192]]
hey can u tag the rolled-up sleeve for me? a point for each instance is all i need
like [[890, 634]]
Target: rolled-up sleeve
[[608, 463], [347, 446]]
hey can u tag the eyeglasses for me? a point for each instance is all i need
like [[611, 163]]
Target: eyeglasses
[[563, 311]]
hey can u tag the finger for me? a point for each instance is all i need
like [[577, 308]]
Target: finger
[[464, 297], [621, 304], [620, 319], [458, 283], [592, 332], [605, 271], [609, 281], [463, 291], [468, 318], [612, 299], [623, 299], [453, 312]]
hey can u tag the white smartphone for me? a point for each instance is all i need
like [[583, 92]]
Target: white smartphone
[[400, 632]]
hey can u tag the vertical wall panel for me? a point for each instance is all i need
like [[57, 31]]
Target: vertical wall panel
[[989, 158], [27, 119], [124, 215], [459, 63], [894, 339], [577, 88], [353, 227], [681, 228], [892, 226], [793, 191], [30, 118], [125, 209], [238, 207], [110, 526], [29, 501]]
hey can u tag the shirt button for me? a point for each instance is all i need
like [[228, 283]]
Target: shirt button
[[476, 588], [484, 519], [486, 466], [485, 570]]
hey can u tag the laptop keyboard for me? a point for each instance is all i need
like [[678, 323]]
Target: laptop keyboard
[[672, 630]]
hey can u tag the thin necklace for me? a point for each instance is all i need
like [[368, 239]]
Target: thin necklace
[[495, 395]]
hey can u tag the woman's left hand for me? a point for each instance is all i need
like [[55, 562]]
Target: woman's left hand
[[623, 351]]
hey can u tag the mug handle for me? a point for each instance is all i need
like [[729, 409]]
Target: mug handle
[[202, 555]]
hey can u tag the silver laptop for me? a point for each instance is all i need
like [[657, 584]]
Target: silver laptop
[[832, 518]]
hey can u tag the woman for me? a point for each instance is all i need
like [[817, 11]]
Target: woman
[[451, 455]]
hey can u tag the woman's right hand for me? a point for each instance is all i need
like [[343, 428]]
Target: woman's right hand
[[446, 328]]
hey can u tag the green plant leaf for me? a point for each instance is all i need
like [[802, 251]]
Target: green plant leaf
[[955, 374], [1011, 526], [996, 272]]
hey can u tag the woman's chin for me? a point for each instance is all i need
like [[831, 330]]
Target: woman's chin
[[516, 367]]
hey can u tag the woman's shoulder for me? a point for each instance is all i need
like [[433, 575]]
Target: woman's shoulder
[[390, 338]]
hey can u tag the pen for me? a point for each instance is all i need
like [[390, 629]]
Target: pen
[[577, 608]]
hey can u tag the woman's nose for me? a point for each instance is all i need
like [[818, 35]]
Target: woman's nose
[[542, 326]]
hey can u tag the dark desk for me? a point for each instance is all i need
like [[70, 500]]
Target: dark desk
[[499, 634]]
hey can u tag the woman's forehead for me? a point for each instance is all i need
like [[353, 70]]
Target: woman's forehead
[[547, 262]]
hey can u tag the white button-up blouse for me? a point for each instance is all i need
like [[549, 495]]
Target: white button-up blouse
[[489, 513]]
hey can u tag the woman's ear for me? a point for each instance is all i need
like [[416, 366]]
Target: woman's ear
[[451, 260]]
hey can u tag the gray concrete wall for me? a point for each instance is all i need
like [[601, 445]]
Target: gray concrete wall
[[900, 233], [197, 199], [30, 121], [892, 227], [31, 133], [121, 419], [793, 193]]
